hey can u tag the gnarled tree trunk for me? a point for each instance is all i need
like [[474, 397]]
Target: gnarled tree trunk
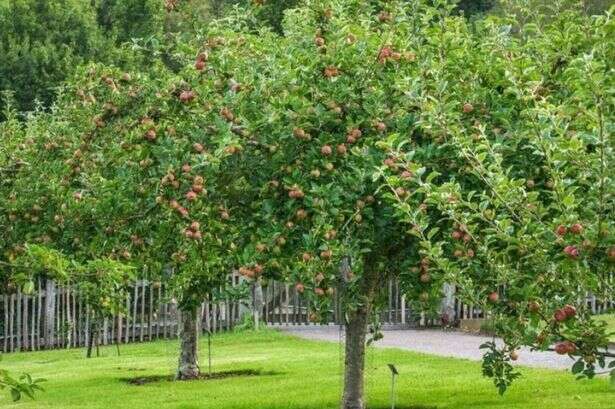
[[188, 367]]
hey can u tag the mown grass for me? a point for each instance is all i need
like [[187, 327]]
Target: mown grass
[[294, 374], [610, 321]]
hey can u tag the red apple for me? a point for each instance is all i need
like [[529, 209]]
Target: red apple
[[576, 228], [534, 306], [560, 315], [381, 126], [572, 251], [186, 96], [467, 108], [561, 230], [569, 310], [331, 71], [198, 148], [191, 196], [565, 347], [326, 254]]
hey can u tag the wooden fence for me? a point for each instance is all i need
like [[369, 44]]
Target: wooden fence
[[594, 304], [57, 317], [284, 305]]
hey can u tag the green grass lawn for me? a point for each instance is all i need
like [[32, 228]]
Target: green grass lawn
[[297, 374], [610, 320]]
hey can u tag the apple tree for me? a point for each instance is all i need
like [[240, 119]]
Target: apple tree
[[152, 171], [405, 141]]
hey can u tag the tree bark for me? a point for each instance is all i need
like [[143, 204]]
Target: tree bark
[[188, 367], [354, 364], [356, 334], [92, 332]]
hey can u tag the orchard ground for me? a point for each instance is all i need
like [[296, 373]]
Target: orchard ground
[[294, 374]]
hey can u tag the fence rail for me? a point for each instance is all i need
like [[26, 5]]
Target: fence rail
[[57, 317]]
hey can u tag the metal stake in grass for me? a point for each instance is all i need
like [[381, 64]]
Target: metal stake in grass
[[394, 374]]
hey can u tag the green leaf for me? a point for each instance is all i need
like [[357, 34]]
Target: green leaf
[[433, 232], [578, 367]]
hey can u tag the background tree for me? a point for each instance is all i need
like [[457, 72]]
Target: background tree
[[129, 19], [41, 41], [144, 170]]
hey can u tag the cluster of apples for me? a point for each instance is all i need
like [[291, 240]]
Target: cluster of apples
[[565, 313], [423, 271], [388, 54], [570, 250], [193, 231], [201, 61], [565, 347], [251, 272]]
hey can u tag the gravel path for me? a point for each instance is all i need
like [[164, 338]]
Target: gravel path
[[436, 342]]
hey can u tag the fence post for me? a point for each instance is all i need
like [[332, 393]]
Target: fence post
[[39, 314], [6, 322], [142, 327], [403, 309], [448, 304], [50, 311], [18, 323], [150, 319], [134, 311]]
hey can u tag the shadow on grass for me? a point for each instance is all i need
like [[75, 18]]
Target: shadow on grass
[[143, 380], [403, 407]]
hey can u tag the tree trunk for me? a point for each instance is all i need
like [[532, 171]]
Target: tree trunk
[[92, 332], [356, 332], [257, 302], [188, 358], [447, 310]]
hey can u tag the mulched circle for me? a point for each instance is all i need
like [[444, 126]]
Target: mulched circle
[[143, 380]]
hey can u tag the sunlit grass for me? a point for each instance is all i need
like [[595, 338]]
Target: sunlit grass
[[296, 374], [610, 320]]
